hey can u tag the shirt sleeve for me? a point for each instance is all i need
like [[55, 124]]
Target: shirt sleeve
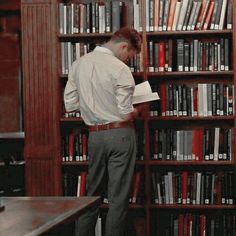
[[71, 96], [124, 92]]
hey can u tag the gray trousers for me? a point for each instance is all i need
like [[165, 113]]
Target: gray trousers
[[112, 152]]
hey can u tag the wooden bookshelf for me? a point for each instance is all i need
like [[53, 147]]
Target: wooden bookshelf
[[45, 124]]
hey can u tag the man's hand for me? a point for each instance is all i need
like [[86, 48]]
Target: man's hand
[[137, 110]]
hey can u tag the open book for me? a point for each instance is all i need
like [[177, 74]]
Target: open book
[[143, 93]]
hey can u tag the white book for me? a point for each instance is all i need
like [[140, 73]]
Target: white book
[[182, 14], [192, 13], [216, 144], [143, 93], [147, 16], [78, 185], [98, 227], [170, 186], [176, 15], [198, 188], [222, 14]]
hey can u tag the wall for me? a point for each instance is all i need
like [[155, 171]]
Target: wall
[[10, 92]]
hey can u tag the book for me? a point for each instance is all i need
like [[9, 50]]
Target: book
[[143, 93]]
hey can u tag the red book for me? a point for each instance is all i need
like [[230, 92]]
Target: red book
[[82, 191], [136, 189], [163, 99], [84, 147], [171, 15], [202, 225], [189, 225], [181, 225], [208, 16], [161, 56], [71, 144], [184, 187], [200, 149]]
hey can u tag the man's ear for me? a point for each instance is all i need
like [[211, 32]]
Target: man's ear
[[124, 45]]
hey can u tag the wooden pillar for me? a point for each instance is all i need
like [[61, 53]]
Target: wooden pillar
[[41, 97]]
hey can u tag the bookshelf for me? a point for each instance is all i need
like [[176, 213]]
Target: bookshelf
[[169, 122], [12, 165]]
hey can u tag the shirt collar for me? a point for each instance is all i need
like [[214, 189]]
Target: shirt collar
[[104, 50]]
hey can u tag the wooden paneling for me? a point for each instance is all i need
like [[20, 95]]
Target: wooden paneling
[[11, 5], [42, 149]]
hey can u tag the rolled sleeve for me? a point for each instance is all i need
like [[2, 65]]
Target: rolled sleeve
[[124, 92], [71, 96]]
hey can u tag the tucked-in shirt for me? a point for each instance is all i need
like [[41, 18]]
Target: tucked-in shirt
[[101, 86]]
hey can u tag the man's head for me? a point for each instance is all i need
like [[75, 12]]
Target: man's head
[[125, 43]]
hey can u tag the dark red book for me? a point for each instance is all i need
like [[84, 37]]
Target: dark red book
[[163, 99], [181, 225], [161, 56], [184, 186], [82, 191], [136, 188], [71, 144]]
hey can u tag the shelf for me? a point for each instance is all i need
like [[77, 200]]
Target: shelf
[[135, 74], [189, 118], [190, 33], [71, 119], [91, 36], [192, 163], [193, 207], [12, 136], [11, 142], [75, 163], [186, 74], [131, 206], [85, 163]]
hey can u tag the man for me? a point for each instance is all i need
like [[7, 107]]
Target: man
[[101, 86]]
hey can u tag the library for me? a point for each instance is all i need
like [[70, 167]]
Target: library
[[184, 179]]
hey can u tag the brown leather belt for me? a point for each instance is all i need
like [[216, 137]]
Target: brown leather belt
[[114, 125]]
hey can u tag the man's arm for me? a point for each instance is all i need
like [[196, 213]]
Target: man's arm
[[71, 96]]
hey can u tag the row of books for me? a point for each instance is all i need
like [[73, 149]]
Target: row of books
[[75, 185], [75, 145], [209, 144], [97, 16], [172, 15], [197, 224], [185, 187], [203, 100], [188, 55], [71, 51], [200, 55]]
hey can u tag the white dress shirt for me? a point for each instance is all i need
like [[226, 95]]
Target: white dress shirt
[[101, 86]]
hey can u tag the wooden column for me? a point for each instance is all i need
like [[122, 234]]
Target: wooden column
[[41, 97]]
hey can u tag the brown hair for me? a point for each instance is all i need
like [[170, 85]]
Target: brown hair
[[129, 35]]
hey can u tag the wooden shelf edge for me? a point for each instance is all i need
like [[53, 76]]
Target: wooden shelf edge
[[193, 207], [74, 163], [131, 206], [192, 163], [12, 135], [187, 74], [189, 118], [190, 32]]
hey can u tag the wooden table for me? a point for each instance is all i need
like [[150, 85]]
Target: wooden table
[[30, 216]]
